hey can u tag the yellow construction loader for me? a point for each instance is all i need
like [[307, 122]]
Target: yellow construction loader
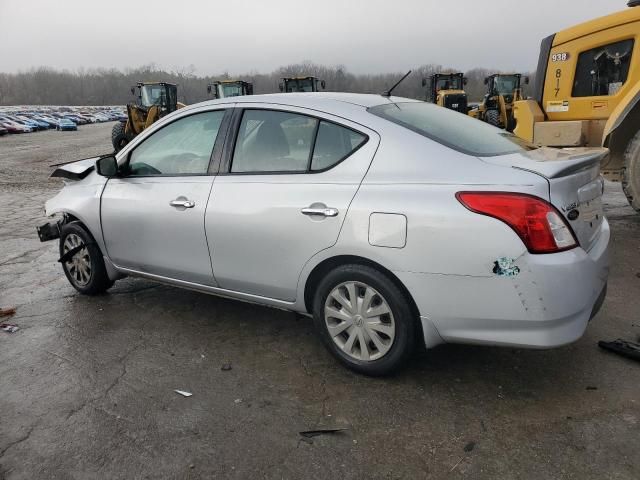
[[301, 84], [230, 88], [587, 93], [497, 106], [447, 90], [154, 100]]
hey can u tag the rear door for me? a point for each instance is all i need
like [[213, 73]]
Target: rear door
[[288, 178]]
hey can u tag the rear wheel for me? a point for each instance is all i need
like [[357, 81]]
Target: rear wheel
[[85, 268], [364, 319], [631, 172], [492, 117], [118, 136]]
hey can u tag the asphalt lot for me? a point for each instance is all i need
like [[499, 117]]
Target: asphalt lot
[[87, 384]]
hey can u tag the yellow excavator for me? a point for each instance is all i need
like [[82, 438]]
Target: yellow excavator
[[154, 100], [447, 90], [497, 106], [230, 88], [301, 84], [587, 93]]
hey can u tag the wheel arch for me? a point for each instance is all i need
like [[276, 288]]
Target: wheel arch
[[330, 263]]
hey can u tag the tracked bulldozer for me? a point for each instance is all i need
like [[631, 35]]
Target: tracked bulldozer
[[496, 107], [587, 93], [229, 88], [153, 101], [447, 90]]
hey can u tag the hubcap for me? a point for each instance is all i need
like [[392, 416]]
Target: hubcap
[[359, 321], [78, 266]]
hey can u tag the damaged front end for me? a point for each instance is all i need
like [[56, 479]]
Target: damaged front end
[[49, 231], [81, 198]]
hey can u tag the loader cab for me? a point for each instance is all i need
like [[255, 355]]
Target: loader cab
[[301, 84], [506, 86], [230, 88], [447, 90], [160, 94]]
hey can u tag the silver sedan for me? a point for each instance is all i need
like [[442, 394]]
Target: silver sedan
[[392, 222]]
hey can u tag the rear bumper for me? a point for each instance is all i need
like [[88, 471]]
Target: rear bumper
[[548, 304]]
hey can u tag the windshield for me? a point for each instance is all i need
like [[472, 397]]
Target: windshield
[[231, 90], [448, 83], [455, 130], [506, 84], [152, 95], [304, 85]]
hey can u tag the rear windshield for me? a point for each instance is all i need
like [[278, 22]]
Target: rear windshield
[[450, 128]]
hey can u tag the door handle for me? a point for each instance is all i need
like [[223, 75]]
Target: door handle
[[182, 203], [322, 211]]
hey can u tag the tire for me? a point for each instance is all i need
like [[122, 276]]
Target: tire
[[399, 324], [631, 172], [492, 117], [88, 281], [118, 136]]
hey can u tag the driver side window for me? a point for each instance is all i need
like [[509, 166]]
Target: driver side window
[[181, 148]]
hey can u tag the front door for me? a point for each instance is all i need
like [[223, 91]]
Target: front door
[[153, 216], [282, 197]]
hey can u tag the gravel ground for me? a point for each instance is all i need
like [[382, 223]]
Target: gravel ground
[[87, 384]]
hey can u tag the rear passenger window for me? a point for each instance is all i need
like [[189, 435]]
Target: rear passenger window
[[602, 71], [284, 142], [270, 141], [333, 144]]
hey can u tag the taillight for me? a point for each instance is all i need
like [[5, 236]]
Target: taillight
[[537, 222]]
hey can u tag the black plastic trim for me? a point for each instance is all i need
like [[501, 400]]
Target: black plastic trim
[[541, 71]]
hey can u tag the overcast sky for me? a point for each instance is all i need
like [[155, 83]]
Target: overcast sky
[[243, 35]]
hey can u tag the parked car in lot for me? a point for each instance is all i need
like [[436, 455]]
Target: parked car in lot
[[14, 127], [66, 124], [393, 222], [3, 131], [26, 122]]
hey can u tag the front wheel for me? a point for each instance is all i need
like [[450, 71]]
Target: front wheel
[[631, 172], [364, 320], [84, 267], [118, 136], [492, 117]]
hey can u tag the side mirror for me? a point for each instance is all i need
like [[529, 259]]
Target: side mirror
[[323, 84], [526, 80], [133, 90], [208, 88], [486, 80], [424, 82], [465, 80], [107, 166], [281, 87]]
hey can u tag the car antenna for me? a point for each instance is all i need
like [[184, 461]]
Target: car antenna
[[388, 92]]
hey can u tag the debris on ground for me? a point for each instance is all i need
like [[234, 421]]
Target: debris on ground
[[183, 393], [321, 431], [622, 347], [226, 367], [7, 327], [591, 387], [237, 400], [469, 446], [7, 311]]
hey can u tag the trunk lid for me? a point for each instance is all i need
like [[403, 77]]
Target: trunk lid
[[575, 184]]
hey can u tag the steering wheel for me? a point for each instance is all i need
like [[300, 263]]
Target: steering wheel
[[141, 168]]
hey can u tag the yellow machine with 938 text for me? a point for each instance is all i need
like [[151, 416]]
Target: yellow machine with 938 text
[[587, 93]]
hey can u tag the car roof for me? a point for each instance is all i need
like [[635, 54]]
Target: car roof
[[327, 101]]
